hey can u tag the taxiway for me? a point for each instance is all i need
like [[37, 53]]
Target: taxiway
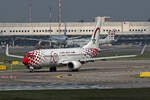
[[101, 74]]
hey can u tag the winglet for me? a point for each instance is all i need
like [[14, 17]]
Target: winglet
[[111, 35], [7, 53], [143, 49], [65, 30]]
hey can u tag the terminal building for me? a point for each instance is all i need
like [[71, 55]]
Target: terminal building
[[127, 31], [74, 28]]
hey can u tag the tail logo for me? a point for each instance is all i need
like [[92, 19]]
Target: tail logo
[[94, 40]]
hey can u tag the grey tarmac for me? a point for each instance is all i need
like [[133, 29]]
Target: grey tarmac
[[100, 75]]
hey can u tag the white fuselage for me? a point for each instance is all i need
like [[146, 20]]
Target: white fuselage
[[46, 57]]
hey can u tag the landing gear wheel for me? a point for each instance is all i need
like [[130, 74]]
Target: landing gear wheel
[[75, 70], [31, 69], [52, 69]]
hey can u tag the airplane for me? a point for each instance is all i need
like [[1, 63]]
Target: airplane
[[71, 57], [53, 39], [64, 40], [110, 38]]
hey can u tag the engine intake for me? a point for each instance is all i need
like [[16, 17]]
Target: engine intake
[[74, 66]]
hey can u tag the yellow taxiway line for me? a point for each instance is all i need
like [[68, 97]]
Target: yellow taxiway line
[[59, 76]]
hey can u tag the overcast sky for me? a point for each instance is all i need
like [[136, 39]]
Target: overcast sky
[[73, 10]]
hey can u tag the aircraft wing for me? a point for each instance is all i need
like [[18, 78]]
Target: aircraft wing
[[34, 39], [95, 59], [9, 55], [72, 38], [104, 58]]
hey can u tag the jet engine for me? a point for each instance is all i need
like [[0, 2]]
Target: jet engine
[[74, 66]]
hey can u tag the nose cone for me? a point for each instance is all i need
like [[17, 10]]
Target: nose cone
[[25, 60]]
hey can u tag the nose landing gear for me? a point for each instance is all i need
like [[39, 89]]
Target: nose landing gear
[[53, 69], [31, 69]]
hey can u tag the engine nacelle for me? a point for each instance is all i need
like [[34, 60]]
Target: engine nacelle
[[74, 65]]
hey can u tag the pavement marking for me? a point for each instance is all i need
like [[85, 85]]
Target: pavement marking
[[137, 66], [144, 74], [59, 76], [62, 77]]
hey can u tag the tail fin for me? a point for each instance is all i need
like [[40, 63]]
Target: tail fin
[[94, 42], [65, 31], [111, 35]]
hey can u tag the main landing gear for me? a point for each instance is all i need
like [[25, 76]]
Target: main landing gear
[[31, 69], [53, 69]]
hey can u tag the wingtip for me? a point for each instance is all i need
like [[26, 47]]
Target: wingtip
[[143, 49], [7, 50]]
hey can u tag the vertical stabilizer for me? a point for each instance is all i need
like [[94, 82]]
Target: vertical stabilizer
[[111, 35], [65, 30], [94, 42]]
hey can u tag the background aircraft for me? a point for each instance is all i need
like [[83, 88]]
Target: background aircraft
[[65, 41], [110, 38], [60, 40]]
